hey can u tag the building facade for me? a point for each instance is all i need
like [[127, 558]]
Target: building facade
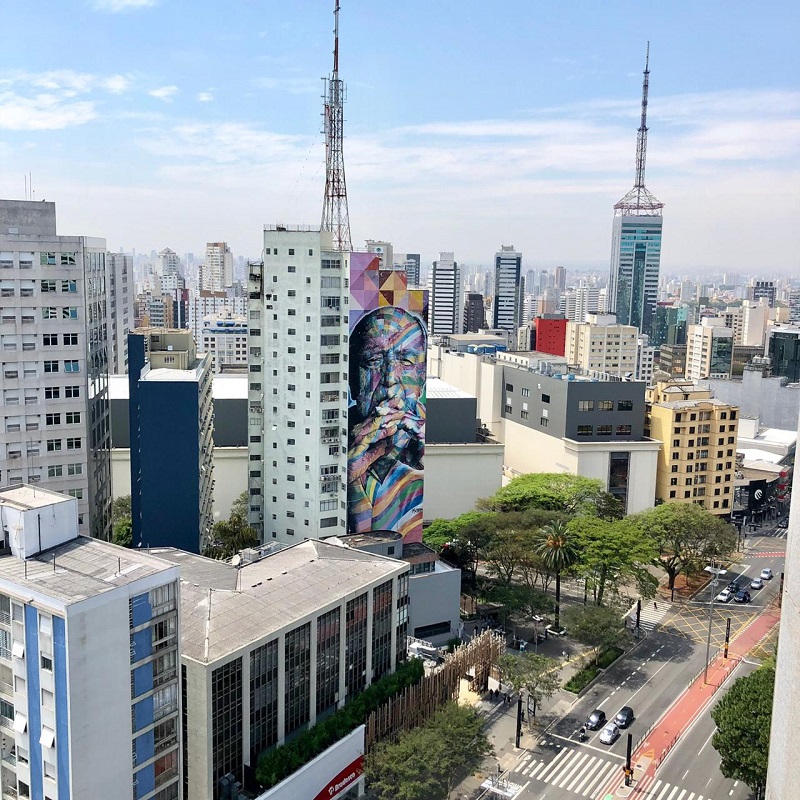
[[217, 271], [709, 352], [119, 303], [446, 296], [697, 460], [224, 338], [171, 439], [601, 346], [54, 351], [89, 699], [509, 289], [783, 349], [474, 313], [550, 334], [204, 304]]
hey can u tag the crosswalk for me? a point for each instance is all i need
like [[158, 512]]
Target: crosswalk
[[572, 770], [581, 772], [651, 615]]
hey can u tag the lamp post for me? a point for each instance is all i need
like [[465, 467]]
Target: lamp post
[[716, 572]]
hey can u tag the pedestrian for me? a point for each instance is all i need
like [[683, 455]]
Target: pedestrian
[[655, 606]]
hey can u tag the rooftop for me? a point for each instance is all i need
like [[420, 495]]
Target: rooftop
[[223, 387], [436, 387], [25, 497], [219, 619]]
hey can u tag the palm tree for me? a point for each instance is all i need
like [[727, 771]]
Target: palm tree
[[558, 552]]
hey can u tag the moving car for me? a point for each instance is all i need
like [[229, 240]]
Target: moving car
[[609, 734], [725, 596], [624, 717], [742, 596], [596, 720], [756, 583], [766, 574]]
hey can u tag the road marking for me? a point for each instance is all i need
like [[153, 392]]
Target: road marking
[[553, 763], [533, 773], [686, 773], [601, 778], [567, 775], [663, 791], [674, 792], [682, 794], [587, 769], [705, 743], [599, 763], [522, 789]]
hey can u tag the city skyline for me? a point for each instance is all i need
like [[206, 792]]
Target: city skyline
[[217, 121]]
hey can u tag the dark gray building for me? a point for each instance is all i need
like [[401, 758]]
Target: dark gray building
[[474, 313]]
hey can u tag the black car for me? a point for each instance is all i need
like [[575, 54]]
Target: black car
[[742, 596], [596, 720], [734, 586], [624, 717]]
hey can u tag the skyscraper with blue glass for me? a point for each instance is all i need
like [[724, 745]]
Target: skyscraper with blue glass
[[636, 242]]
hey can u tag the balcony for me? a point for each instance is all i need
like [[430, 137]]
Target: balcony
[[10, 791]]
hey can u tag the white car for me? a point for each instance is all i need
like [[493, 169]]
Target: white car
[[609, 734], [757, 583], [766, 574], [725, 596]]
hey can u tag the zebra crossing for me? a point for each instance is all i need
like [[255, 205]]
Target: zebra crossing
[[581, 772], [572, 770], [652, 614]]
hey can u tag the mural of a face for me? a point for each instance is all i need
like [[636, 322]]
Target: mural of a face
[[387, 419]]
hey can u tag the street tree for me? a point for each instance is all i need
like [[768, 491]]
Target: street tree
[[559, 551], [687, 537], [122, 521], [598, 627], [613, 553], [743, 717], [425, 763], [537, 675], [558, 491], [230, 536], [508, 545]]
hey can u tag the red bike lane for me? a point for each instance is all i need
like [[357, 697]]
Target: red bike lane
[[677, 719]]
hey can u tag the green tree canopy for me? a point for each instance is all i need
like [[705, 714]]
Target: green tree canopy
[[550, 491], [597, 627], [686, 536], [613, 553], [558, 549], [426, 762], [121, 521], [230, 536], [538, 675], [121, 508], [743, 718]]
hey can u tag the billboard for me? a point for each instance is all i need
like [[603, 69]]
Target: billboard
[[386, 416]]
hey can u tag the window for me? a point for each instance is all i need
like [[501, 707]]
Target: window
[[67, 259], [51, 366], [603, 430], [605, 405], [74, 469], [53, 445], [47, 286], [525, 392], [627, 405], [72, 366], [545, 398], [69, 312], [52, 419], [584, 430], [55, 471], [297, 677], [52, 393], [510, 388], [543, 421], [72, 391], [71, 339], [46, 663], [69, 286], [76, 493], [50, 339], [623, 430], [585, 405], [74, 443]]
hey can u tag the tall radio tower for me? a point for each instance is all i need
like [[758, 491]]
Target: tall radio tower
[[335, 217], [639, 200]]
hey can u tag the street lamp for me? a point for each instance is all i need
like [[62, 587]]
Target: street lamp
[[716, 572]]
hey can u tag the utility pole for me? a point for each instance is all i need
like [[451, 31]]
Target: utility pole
[[628, 770], [519, 720]]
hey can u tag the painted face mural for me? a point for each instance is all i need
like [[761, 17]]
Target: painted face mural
[[387, 421]]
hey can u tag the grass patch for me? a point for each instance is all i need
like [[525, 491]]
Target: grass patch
[[581, 679]]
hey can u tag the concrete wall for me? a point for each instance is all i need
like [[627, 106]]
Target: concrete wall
[[435, 597], [451, 419]]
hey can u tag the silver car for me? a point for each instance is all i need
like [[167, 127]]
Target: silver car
[[609, 734]]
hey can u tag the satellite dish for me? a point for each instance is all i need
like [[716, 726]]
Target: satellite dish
[[236, 560]]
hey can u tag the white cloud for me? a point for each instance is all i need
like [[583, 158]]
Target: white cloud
[[116, 84], [205, 97], [165, 93], [115, 6], [42, 112]]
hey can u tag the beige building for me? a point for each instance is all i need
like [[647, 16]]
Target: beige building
[[600, 345], [697, 460], [709, 350]]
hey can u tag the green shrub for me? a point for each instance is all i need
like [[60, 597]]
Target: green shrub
[[608, 657], [583, 677], [280, 762]]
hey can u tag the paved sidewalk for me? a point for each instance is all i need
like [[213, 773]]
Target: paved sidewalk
[[687, 708]]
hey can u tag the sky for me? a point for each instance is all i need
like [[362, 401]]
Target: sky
[[469, 124]]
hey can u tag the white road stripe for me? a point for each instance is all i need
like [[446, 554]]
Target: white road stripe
[[576, 763], [674, 792], [682, 794], [562, 769], [553, 763], [663, 791], [538, 767], [583, 775], [592, 768], [600, 778]]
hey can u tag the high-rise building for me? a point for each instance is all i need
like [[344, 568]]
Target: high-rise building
[[509, 289], [298, 386], [602, 346], [446, 296], [560, 278], [171, 440], [204, 304], [636, 243], [575, 304], [217, 271], [794, 307], [698, 433], [224, 338], [411, 264], [89, 634], [783, 348], [54, 329], [550, 334], [762, 289], [709, 351], [168, 263], [474, 313], [119, 304]]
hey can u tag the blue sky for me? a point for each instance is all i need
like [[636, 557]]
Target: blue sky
[[469, 124]]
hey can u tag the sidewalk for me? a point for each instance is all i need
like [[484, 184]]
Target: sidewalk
[[687, 708]]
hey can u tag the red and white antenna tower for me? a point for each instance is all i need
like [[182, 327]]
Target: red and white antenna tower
[[335, 216]]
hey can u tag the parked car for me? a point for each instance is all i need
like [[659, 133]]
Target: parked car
[[734, 585], [624, 717], [756, 583], [766, 574], [609, 734], [596, 720], [742, 596], [725, 596]]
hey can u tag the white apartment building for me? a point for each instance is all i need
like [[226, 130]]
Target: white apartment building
[[601, 346], [298, 388], [168, 262], [445, 297], [53, 346], [645, 359], [509, 289], [217, 272], [119, 304], [709, 349], [224, 338], [89, 698], [756, 317], [575, 304], [203, 304]]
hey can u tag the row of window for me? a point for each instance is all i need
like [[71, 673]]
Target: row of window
[[703, 415], [604, 405], [26, 260], [603, 430]]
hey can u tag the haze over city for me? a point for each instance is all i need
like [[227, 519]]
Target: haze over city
[[468, 124]]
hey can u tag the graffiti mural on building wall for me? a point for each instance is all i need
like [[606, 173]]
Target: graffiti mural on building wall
[[386, 419]]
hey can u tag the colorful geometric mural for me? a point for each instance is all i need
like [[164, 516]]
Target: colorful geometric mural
[[386, 419]]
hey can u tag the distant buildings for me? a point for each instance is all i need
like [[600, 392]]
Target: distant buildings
[[474, 313], [204, 304], [119, 306], [217, 271], [224, 338], [601, 346], [171, 439], [709, 350], [446, 296], [509, 289], [766, 290], [783, 348], [54, 329], [89, 695], [168, 263]]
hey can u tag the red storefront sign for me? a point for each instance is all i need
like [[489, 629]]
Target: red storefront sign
[[343, 781]]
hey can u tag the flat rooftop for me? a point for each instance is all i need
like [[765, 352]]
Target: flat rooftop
[[224, 609], [223, 387], [79, 569], [436, 387], [25, 497]]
